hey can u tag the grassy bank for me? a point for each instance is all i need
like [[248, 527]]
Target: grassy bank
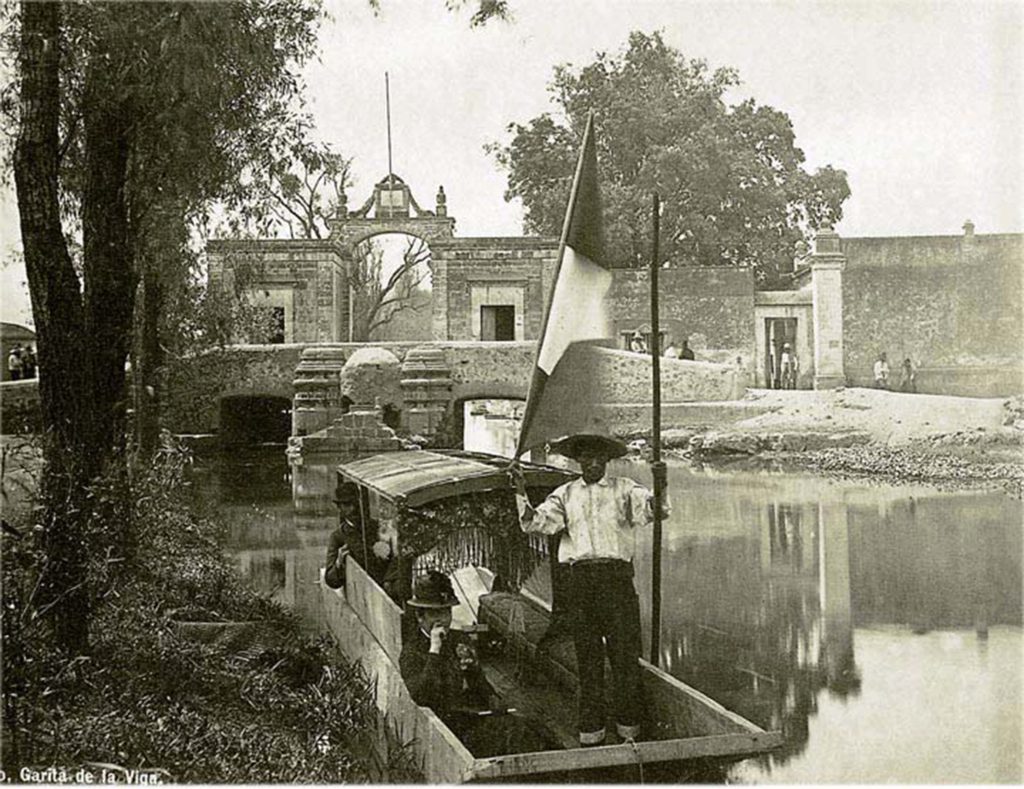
[[252, 702]]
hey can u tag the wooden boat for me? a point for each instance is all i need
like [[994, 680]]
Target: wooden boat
[[401, 490]]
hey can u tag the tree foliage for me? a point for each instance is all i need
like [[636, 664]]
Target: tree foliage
[[731, 177], [128, 114]]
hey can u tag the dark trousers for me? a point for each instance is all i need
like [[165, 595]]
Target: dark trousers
[[606, 619]]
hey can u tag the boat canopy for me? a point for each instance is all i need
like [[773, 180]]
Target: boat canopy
[[419, 477]]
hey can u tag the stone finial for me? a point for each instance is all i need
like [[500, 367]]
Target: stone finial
[[442, 202], [826, 242], [968, 228]]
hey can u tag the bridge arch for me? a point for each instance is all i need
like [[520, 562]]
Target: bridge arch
[[254, 418]]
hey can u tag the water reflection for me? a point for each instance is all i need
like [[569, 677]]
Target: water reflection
[[807, 605], [766, 577]]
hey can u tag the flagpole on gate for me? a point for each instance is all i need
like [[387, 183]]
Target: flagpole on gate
[[657, 466]]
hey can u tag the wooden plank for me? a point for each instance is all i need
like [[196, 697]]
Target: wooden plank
[[554, 709], [378, 612], [677, 709], [732, 745]]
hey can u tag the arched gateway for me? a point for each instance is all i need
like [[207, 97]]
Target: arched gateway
[[490, 289]]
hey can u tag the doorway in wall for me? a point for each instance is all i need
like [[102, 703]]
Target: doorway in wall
[[497, 322], [778, 333]]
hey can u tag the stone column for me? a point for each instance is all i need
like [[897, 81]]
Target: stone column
[[439, 290], [426, 388], [827, 264]]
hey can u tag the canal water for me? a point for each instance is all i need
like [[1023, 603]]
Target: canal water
[[879, 627]]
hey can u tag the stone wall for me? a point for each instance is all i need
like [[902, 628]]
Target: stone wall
[[196, 384], [19, 407], [523, 265], [712, 306], [305, 276], [953, 305]]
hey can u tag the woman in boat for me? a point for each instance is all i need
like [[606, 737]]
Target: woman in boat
[[597, 517], [441, 668]]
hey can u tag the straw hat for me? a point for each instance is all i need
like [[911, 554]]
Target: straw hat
[[591, 443]]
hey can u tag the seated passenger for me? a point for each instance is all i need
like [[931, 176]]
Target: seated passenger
[[372, 554], [441, 669]]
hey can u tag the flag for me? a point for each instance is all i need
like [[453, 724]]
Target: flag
[[563, 389]]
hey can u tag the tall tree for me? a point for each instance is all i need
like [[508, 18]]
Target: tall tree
[[731, 177], [161, 105]]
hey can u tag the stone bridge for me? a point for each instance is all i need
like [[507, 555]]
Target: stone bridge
[[203, 390], [257, 393], [252, 393]]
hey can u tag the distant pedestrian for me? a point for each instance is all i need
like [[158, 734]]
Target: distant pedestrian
[[882, 372], [28, 363], [637, 344], [908, 377], [686, 352], [14, 364], [787, 365]]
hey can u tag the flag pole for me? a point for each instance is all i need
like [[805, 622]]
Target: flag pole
[[657, 466]]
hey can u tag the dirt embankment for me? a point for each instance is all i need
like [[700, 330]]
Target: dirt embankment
[[874, 433]]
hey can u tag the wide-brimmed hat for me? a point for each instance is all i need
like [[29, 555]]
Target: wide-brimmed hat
[[574, 446], [434, 590], [346, 493]]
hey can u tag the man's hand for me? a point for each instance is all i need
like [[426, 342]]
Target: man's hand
[[437, 634], [343, 551], [517, 480]]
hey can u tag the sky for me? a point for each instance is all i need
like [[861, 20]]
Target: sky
[[921, 103]]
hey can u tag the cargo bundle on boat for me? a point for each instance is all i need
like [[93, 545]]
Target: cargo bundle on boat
[[455, 512]]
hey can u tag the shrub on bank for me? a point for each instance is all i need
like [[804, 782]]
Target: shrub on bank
[[262, 704]]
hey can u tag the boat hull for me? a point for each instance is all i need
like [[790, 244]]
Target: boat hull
[[366, 624]]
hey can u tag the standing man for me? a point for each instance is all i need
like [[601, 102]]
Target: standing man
[[597, 517], [14, 365], [28, 363], [787, 363], [881, 372], [686, 352]]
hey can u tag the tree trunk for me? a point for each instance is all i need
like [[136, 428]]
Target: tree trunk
[[82, 339], [110, 281], [150, 362], [65, 396]]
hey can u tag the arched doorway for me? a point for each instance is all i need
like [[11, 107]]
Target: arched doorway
[[389, 288]]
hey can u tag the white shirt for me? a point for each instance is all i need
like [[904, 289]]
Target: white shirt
[[881, 370], [598, 519]]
